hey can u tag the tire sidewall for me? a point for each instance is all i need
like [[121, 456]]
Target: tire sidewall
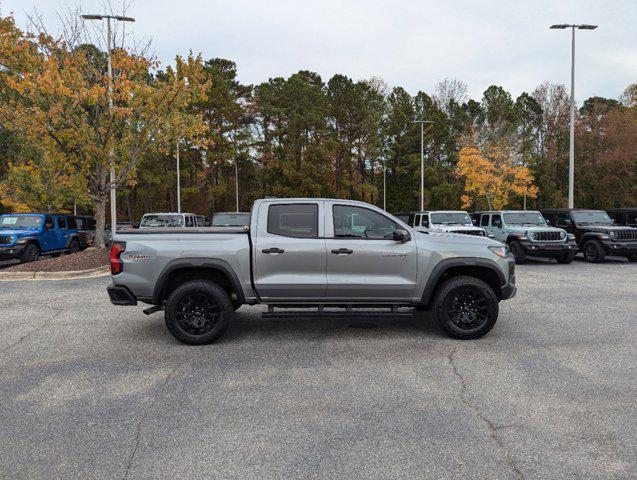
[[215, 293], [74, 247], [33, 251], [441, 306], [518, 252], [599, 251]]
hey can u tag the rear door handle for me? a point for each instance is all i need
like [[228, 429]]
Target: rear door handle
[[343, 251], [272, 250]]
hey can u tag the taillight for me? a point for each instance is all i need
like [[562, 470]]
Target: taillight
[[116, 264]]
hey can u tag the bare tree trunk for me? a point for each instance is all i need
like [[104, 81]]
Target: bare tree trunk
[[100, 217]]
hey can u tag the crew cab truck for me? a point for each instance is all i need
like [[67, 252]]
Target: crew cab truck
[[527, 234], [595, 233], [448, 221], [315, 253], [26, 236]]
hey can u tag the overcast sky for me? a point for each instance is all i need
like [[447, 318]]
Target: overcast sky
[[411, 43]]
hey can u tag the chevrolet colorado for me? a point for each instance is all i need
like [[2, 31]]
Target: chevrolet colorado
[[310, 253]]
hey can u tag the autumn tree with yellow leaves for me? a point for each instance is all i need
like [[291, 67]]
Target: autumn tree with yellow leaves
[[55, 98], [492, 174]]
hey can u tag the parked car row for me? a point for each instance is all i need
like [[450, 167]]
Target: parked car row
[[558, 233]]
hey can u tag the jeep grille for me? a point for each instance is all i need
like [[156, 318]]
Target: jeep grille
[[625, 234], [547, 236]]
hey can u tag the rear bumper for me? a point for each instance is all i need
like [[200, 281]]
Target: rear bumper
[[120, 295], [549, 249]]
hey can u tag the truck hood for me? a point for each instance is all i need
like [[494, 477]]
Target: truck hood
[[454, 238], [19, 232], [603, 228], [527, 229]]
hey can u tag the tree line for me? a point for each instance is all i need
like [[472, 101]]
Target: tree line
[[295, 136]]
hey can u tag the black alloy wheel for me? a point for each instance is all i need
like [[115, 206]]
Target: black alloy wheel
[[196, 314], [468, 308], [30, 253], [593, 252], [74, 247]]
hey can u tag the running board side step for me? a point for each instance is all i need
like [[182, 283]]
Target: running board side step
[[348, 311], [153, 309]]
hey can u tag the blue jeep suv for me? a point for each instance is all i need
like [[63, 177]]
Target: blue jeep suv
[[27, 235]]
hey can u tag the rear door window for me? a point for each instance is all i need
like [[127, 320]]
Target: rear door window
[[71, 222], [484, 221], [293, 220], [61, 222]]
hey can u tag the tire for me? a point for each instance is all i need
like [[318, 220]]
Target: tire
[[594, 252], [566, 257], [236, 305], [518, 252], [74, 247], [198, 312], [30, 253], [632, 258], [466, 323]]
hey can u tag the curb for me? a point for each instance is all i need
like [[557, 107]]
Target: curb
[[93, 272]]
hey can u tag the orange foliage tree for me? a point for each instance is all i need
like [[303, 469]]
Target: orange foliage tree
[[55, 96], [492, 173]]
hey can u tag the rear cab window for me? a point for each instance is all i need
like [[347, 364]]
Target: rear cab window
[[293, 220]]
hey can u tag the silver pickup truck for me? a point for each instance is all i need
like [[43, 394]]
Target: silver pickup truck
[[315, 253]]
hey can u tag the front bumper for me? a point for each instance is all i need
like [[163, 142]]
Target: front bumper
[[508, 290], [120, 295], [549, 249], [620, 248], [11, 251]]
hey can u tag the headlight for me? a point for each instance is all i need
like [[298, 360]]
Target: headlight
[[11, 239], [499, 250], [481, 233], [613, 234], [562, 235]]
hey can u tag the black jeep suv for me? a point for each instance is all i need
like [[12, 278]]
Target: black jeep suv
[[595, 233]]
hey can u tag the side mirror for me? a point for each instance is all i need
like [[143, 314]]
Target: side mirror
[[401, 235]]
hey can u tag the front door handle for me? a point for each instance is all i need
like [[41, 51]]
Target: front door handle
[[272, 250], [343, 251]]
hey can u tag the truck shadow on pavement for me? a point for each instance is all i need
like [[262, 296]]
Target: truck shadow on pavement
[[248, 325]]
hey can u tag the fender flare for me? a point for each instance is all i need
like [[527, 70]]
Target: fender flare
[[30, 239], [197, 263], [591, 236], [444, 265]]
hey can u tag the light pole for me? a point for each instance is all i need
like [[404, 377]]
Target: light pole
[[384, 186], [571, 147], [178, 179], [108, 18], [422, 160]]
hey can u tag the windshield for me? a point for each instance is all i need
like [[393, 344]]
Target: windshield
[[594, 217], [450, 218], [162, 221], [231, 219], [631, 219], [524, 218], [20, 221]]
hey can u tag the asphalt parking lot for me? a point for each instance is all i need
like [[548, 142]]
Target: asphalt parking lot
[[91, 390]]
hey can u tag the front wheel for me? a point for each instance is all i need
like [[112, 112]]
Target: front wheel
[[30, 253], [518, 252], [74, 247], [632, 258], [198, 312], [594, 252], [466, 307]]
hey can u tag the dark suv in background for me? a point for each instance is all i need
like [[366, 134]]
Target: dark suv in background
[[595, 233], [624, 216]]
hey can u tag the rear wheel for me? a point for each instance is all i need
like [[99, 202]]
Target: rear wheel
[[30, 253], [517, 251], [594, 252], [566, 257], [466, 307], [198, 312]]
